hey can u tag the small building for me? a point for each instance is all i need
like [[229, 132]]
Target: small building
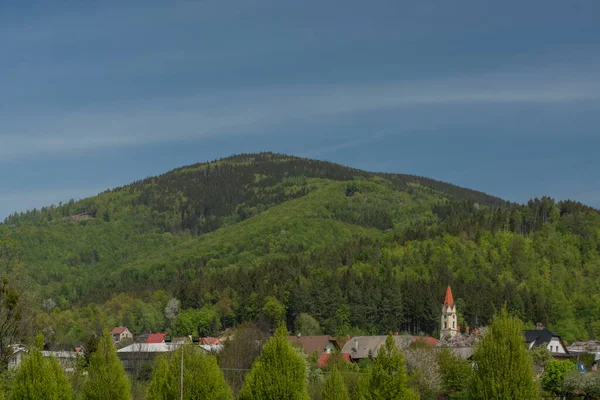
[[591, 346], [155, 338], [361, 347], [120, 333], [66, 359], [210, 341], [318, 344], [136, 355], [543, 337], [18, 352], [211, 348], [322, 363]]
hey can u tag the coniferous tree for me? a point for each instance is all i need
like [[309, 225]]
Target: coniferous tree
[[503, 367], [279, 373], [106, 375], [202, 378], [386, 379]]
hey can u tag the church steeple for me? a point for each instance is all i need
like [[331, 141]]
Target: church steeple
[[449, 300], [448, 327]]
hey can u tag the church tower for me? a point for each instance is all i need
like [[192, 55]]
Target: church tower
[[448, 326]]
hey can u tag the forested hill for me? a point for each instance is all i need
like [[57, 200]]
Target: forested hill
[[254, 236]]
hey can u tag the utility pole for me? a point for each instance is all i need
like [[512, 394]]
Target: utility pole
[[181, 387]]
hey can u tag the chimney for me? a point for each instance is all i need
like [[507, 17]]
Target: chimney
[[539, 326]]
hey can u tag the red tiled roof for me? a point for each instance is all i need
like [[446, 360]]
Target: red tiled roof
[[427, 339], [211, 340], [156, 338], [449, 300], [118, 330], [310, 344], [324, 357]]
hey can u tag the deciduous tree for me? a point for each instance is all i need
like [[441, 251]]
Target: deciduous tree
[[503, 368], [279, 373], [202, 378], [40, 378], [106, 375], [386, 379]]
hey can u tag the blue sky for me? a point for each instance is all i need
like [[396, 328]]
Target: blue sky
[[502, 97]]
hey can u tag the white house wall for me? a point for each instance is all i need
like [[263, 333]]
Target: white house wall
[[555, 346]]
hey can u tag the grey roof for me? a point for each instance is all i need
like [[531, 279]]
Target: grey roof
[[539, 337], [148, 348], [364, 346], [60, 354]]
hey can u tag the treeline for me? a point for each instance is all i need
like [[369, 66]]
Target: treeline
[[370, 285]]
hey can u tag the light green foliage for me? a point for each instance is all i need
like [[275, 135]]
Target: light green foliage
[[503, 367], [273, 310], [386, 379], [541, 356], [202, 378], [554, 375], [40, 378], [455, 371], [335, 387], [279, 373], [587, 385], [360, 252], [106, 375], [197, 322], [305, 324]]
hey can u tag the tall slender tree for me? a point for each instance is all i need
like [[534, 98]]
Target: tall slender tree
[[202, 378], [386, 379], [279, 373], [503, 367], [107, 378]]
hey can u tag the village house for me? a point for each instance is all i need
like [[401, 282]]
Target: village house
[[361, 347], [591, 346], [66, 359], [136, 355], [156, 338], [541, 336], [320, 345], [120, 333]]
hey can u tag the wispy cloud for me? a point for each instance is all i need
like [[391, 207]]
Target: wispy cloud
[[343, 145], [251, 111]]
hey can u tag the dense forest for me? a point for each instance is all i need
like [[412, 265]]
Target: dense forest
[[250, 237]]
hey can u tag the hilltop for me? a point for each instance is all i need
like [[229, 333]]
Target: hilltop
[[358, 251]]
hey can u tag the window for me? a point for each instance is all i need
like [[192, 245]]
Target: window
[[454, 325], [445, 324], [551, 347]]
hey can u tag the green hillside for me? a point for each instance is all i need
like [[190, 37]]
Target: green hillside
[[358, 251]]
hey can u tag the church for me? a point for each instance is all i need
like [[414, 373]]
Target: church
[[448, 326]]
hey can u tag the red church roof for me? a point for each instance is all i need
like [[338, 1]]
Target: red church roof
[[449, 300], [156, 338]]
